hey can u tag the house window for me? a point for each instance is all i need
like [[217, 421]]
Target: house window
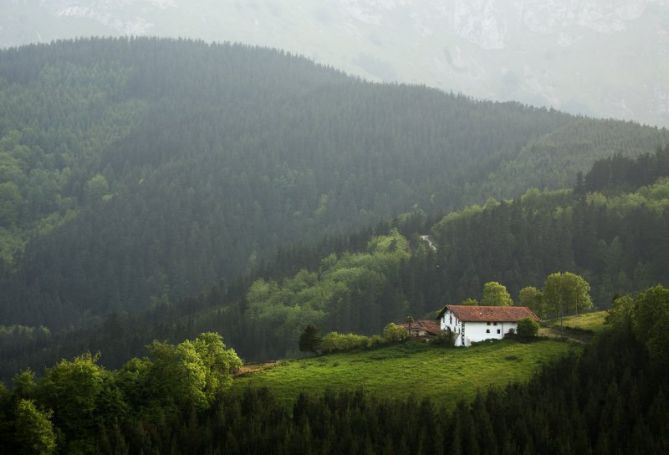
[[494, 323], [499, 331], [487, 330], [488, 323]]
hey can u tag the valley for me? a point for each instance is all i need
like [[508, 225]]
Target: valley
[[223, 248]]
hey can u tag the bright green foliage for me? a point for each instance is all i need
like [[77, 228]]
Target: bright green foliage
[[495, 294], [410, 369], [192, 371], [34, 431], [343, 342], [219, 362], [594, 321], [527, 328], [394, 333], [177, 373], [24, 384], [469, 301], [83, 407], [566, 293], [72, 388], [532, 298], [347, 291]]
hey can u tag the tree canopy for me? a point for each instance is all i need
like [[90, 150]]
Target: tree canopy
[[495, 294], [566, 293], [139, 172]]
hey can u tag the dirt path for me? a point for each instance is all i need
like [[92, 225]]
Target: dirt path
[[581, 337], [250, 368]]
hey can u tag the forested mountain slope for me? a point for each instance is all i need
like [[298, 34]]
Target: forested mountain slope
[[614, 236], [607, 58], [135, 172]]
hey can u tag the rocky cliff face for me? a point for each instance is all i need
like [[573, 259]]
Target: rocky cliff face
[[598, 57]]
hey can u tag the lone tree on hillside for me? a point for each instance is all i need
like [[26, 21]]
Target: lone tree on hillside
[[566, 292], [495, 294], [310, 340]]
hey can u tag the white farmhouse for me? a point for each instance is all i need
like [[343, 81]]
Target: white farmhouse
[[472, 323]]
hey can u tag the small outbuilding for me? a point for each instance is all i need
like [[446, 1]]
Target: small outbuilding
[[422, 328], [473, 323]]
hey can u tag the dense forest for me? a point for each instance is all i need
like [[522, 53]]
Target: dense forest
[[155, 194], [612, 398], [137, 172], [615, 239]]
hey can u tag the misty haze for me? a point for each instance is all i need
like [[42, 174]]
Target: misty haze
[[355, 226]]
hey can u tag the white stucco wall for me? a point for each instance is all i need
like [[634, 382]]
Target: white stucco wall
[[473, 332]]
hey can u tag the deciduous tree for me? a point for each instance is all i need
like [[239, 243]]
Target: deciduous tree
[[495, 294]]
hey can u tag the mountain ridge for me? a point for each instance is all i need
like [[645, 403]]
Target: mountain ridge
[[573, 56]]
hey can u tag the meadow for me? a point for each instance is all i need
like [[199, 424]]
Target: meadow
[[593, 322], [411, 369]]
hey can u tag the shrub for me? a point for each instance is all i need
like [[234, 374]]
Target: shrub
[[394, 333], [341, 342], [445, 338], [527, 328], [375, 341]]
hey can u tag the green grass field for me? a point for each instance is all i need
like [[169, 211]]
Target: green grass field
[[410, 369], [593, 322]]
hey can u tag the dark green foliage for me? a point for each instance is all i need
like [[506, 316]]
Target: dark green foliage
[[612, 397], [527, 329], [615, 242], [446, 338], [92, 409], [184, 149], [620, 173], [310, 340], [136, 172], [650, 316]]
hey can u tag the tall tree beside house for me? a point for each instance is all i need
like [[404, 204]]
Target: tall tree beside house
[[495, 294], [566, 293], [532, 298]]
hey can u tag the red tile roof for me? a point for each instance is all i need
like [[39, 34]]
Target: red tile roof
[[474, 313], [431, 327]]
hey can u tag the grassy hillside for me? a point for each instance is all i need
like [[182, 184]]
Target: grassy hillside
[[617, 242], [592, 322], [446, 375]]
